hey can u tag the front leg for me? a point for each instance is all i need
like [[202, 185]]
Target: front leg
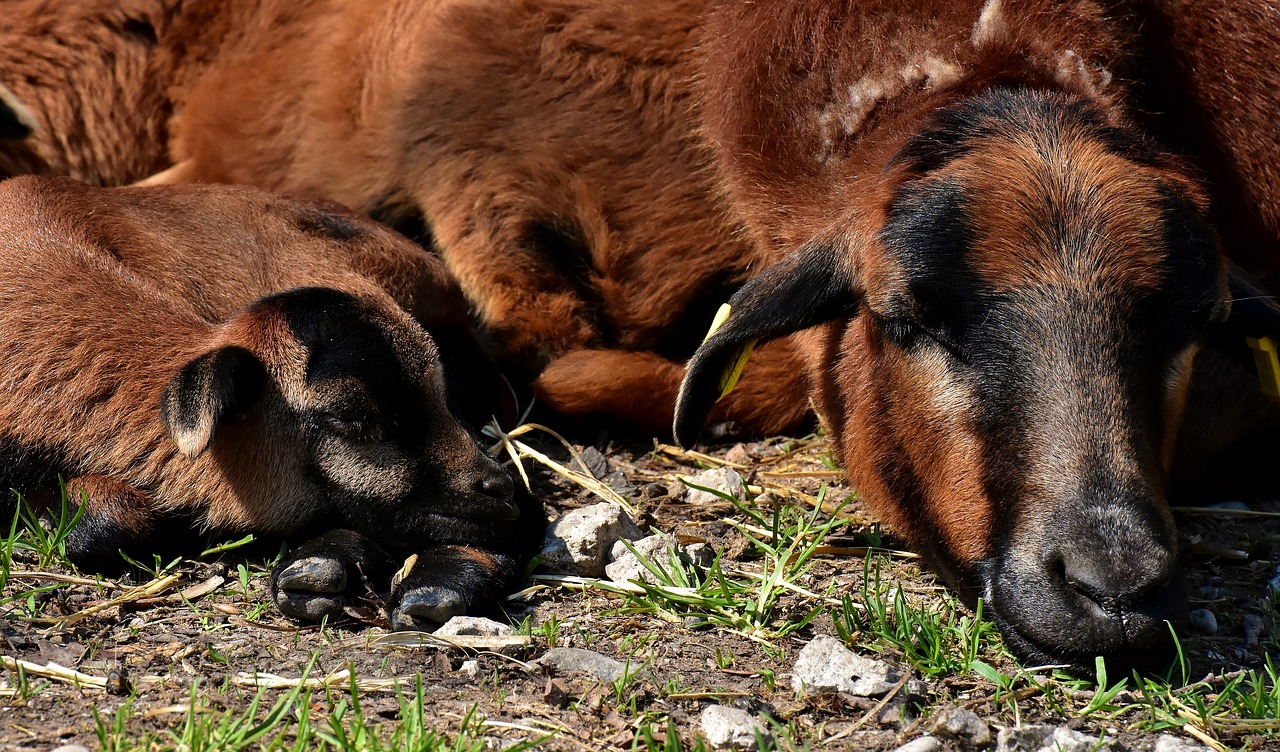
[[327, 573], [446, 581], [118, 517]]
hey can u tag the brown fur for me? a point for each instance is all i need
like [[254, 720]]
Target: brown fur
[[114, 300], [1030, 274], [548, 148]]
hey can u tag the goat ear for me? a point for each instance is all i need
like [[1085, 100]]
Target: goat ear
[[219, 385], [810, 286], [1251, 333], [16, 122]]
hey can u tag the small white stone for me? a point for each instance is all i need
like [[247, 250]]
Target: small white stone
[[1169, 743], [470, 669], [726, 480], [826, 665], [578, 541], [923, 744], [473, 625], [731, 728]]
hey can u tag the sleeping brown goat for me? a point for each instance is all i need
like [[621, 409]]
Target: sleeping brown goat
[[553, 153], [218, 359], [547, 151], [1003, 283]]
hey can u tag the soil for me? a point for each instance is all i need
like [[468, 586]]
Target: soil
[[209, 645]]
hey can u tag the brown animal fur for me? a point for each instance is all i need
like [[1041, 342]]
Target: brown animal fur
[[548, 148], [123, 310], [998, 254]]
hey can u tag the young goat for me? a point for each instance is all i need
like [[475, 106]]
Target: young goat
[[215, 358], [1004, 283]]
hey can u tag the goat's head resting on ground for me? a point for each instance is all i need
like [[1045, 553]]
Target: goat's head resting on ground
[[357, 385], [1008, 336]]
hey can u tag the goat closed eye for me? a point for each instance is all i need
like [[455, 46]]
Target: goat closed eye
[[363, 428], [907, 334]]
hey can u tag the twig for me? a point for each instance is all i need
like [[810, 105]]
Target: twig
[[52, 577], [874, 709], [55, 672], [153, 588]]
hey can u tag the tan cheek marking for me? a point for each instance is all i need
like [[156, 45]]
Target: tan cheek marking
[[949, 458], [956, 495], [1175, 401], [369, 471]]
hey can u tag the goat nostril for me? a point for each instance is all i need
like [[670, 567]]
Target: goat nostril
[[498, 485]]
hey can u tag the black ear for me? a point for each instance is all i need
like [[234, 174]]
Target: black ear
[[810, 286], [16, 122], [216, 386]]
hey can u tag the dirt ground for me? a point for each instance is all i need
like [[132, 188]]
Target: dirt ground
[[206, 636]]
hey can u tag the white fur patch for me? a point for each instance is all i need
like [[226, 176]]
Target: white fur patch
[[990, 23], [845, 116], [1073, 69]]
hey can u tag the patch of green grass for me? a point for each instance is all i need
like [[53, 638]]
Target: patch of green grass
[[291, 724], [935, 635], [784, 539], [47, 542]]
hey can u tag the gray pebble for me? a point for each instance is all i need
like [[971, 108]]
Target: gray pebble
[[731, 728], [586, 663], [1168, 743], [470, 669], [1203, 621], [1046, 738], [923, 744], [962, 725], [826, 665]]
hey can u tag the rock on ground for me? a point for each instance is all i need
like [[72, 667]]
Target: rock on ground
[[726, 480], [1203, 621], [826, 665], [962, 725], [923, 744], [625, 566], [731, 728], [587, 663], [1168, 743], [1046, 738], [578, 541], [473, 625]]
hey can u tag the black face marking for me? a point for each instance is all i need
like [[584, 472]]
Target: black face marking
[[1000, 112], [928, 233]]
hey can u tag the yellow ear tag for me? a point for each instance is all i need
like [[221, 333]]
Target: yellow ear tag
[[733, 371], [1268, 365]]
